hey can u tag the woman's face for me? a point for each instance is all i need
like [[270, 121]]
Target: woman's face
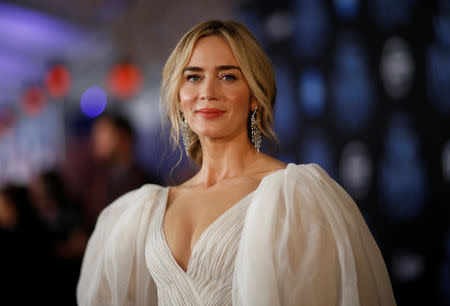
[[214, 95]]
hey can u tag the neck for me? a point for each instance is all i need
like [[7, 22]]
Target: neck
[[224, 159]]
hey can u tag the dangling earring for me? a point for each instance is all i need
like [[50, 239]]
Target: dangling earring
[[256, 133], [185, 135]]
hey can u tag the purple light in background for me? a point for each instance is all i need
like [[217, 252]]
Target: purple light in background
[[24, 29], [15, 68], [93, 101]]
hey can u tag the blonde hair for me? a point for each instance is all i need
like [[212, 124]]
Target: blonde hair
[[253, 61]]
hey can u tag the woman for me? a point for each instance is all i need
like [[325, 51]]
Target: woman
[[246, 229]]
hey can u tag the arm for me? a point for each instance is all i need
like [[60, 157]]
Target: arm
[[305, 243], [113, 271]]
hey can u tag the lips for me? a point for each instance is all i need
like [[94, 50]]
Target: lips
[[210, 113]]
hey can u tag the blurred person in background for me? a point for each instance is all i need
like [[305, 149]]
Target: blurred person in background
[[101, 164], [20, 248], [63, 235], [246, 229], [115, 169]]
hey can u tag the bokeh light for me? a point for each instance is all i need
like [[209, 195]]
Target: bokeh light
[[312, 92], [407, 265], [93, 101], [396, 67], [58, 81], [279, 26], [346, 9], [33, 100], [125, 80], [355, 169]]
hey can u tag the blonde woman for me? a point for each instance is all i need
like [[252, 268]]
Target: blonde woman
[[246, 229]]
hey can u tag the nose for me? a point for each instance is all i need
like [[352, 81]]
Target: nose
[[209, 89]]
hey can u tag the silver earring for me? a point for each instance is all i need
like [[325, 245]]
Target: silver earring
[[256, 133], [185, 135]]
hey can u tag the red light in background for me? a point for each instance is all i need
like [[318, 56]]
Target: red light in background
[[58, 81], [33, 100], [124, 80]]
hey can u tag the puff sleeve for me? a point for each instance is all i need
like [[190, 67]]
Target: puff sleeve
[[113, 270], [305, 242]]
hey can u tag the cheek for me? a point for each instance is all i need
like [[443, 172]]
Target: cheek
[[241, 98], [186, 96], [186, 93]]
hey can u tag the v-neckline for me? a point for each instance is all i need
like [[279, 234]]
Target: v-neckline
[[206, 231], [211, 226]]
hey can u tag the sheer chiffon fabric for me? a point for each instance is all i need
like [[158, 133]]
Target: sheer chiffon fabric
[[298, 239]]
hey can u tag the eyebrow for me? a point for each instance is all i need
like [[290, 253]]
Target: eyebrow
[[222, 67]]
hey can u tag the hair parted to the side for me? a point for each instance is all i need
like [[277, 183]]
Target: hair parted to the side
[[253, 61]]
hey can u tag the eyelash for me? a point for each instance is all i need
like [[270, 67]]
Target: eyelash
[[226, 77], [192, 77]]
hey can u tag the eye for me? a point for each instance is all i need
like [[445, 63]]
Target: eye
[[228, 77], [192, 77]]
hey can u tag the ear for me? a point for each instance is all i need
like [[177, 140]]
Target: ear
[[253, 103]]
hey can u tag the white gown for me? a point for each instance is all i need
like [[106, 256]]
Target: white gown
[[298, 239]]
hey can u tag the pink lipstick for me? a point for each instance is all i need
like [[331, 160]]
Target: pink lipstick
[[210, 113]]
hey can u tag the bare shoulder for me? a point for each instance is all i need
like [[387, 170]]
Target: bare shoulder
[[268, 164]]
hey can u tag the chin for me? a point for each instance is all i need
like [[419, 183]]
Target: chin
[[210, 132], [211, 135]]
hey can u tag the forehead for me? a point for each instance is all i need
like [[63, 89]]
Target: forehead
[[212, 50]]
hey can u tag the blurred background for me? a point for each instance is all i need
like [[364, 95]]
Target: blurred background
[[363, 90]]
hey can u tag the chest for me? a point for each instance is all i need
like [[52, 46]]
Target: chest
[[190, 214]]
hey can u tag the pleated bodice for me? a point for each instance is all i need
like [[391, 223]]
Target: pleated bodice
[[209, 275]]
